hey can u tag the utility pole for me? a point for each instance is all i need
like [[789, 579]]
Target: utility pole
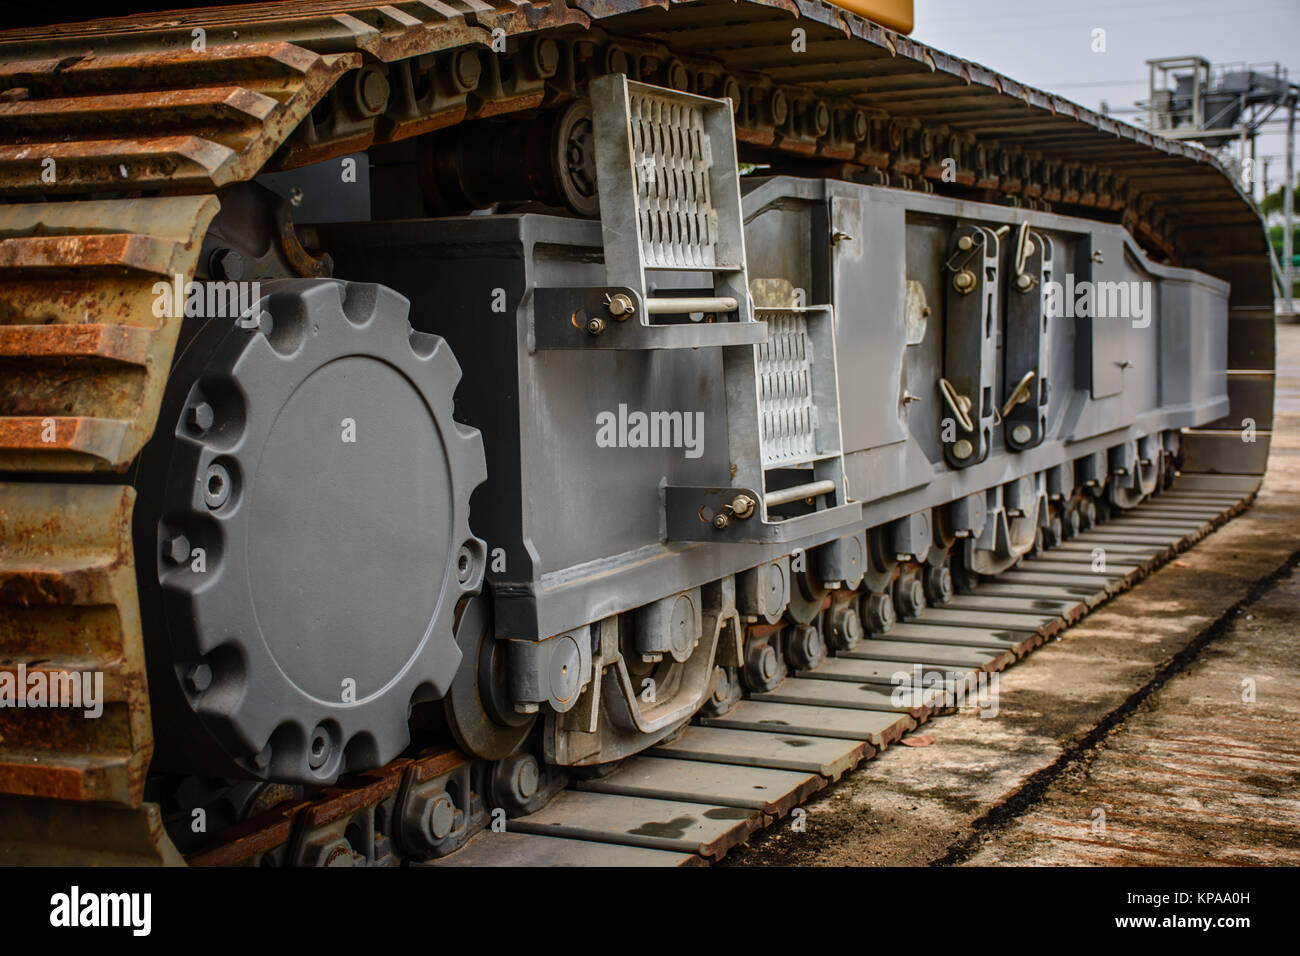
[[1288, 210]]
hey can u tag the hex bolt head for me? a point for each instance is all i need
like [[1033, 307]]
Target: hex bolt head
[[200, 417], [595, 325], [177, 549], [880, 613], [328, 851], [720, 521], [198, 678], [228, 264]]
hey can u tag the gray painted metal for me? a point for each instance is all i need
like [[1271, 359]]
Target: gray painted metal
[[675, 825], [827, 756], [774, 792], [878, 728], [509, 848]]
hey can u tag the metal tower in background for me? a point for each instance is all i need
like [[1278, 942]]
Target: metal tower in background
[[1223, 107]]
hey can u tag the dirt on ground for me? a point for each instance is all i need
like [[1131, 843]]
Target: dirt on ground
[[1139, 711]]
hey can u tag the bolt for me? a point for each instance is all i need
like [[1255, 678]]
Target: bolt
[[198, 678], [677, 77], [1024, 282], [228, 264], [216, 486], [964, 281], [596, 325], [962, 449], [620, 306], [319, 750], [525, 776], [262, 759], [1022, 433], [464, 564], [177, 549], [440, 815], [548, 56], [328, 851], [720, 521], [767, 662], [200, 417], [467, 68], [371, 91], [742, 506]]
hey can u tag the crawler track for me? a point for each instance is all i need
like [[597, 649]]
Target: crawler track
[[117, 138], [688, 801]]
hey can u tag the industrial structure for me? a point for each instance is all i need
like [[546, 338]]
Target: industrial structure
[[1223, 107]]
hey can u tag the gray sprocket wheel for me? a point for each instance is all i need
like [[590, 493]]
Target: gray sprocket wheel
[[315, 462]]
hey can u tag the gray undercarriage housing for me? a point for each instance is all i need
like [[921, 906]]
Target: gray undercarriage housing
[[607, 455]]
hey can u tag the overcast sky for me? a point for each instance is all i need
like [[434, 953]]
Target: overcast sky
[[1048, 44]]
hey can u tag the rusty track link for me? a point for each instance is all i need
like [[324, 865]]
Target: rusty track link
[[145, 109]]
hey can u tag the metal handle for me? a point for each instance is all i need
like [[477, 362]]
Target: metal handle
[[720, 303], [786, 495], [959, 404], [1021, 394]]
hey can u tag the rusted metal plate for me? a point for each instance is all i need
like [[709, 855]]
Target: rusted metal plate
[[527, 849], [53, 833], [84, 353], [68, 609], [673, 825], [144, 123], [774, 792], [828, 756]]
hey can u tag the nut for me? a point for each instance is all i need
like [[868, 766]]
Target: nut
[[177, 549], [200, 416]]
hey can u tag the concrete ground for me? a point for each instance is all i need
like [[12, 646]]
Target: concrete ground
[[1131, 739]]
